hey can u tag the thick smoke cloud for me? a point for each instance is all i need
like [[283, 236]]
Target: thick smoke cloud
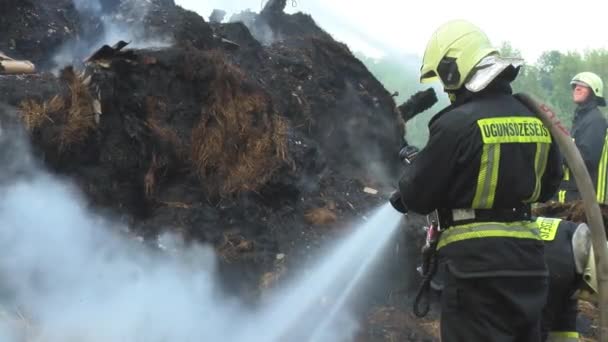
[[74, 275], [68, 274]]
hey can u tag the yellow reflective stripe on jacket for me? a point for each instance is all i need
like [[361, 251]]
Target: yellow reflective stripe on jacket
[[566, 173], [488, 177], [601, 173], [547, 227], [561, 196], [515, 129], [563, 336], [540, 164], [507, 130], [520, 230]]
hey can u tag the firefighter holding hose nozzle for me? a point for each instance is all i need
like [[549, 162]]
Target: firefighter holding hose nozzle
[[488, 158]]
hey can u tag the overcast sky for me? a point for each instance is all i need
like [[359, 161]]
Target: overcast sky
[[379, 26]]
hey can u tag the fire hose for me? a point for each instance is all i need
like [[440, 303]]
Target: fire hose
[[587, 191], [422, 303]]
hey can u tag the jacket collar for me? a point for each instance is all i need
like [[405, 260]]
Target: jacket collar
[[585, 107], [462, 95]]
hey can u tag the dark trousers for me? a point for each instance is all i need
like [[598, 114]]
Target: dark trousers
[[560, 312], [494, 309]]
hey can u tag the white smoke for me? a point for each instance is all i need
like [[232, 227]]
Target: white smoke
[[87, 5], [74, 277], [127, 24], [67, 274], [257, 26], [263, 33]]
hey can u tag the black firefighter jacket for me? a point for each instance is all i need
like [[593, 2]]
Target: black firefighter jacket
[[486, 151], [560, 311], [589, 133]]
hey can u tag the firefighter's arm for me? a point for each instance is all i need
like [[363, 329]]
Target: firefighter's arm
[[591, 143], [584, 261], [425, 179], [588, 287], [553, 175]]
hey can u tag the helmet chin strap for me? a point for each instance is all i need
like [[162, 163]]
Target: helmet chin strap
[[452, 96]]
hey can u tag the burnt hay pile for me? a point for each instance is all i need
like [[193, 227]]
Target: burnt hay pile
[[260, 147]]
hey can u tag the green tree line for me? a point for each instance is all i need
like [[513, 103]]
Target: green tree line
[[548, 79]]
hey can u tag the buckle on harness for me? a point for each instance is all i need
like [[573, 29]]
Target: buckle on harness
[[462, 214]]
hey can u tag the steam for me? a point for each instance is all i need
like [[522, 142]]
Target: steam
[[107, 22], [73, 275], [258, 26], [360, 131], [87, 5], [68, 274], [77, 280]]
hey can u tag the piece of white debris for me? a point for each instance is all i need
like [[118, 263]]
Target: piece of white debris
[[370, 190], [97, 107], [280, 256]]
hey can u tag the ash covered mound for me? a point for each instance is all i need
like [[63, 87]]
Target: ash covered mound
[[263, 137]]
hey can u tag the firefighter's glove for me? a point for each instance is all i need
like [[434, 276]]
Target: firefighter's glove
[[408, 153], [397, 203]]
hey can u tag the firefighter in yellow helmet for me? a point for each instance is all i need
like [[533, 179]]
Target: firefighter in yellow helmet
[[589, 128], [488, 158]]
